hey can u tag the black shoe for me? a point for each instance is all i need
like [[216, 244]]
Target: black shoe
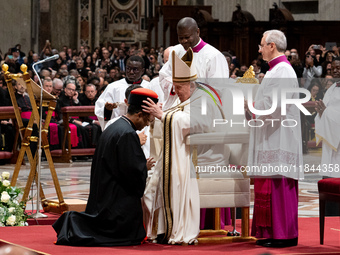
[[263, 241], [281, 243], [160, 239]]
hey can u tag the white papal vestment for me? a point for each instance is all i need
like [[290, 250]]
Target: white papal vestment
[[179, 190]]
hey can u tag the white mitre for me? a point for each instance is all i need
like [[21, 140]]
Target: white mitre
[[184, 69]]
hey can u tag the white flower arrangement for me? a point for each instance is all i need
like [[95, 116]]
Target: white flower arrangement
[[6, 183], [12, 212]]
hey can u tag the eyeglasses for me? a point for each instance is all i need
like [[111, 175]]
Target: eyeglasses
[[70, 89], [134, 69], [261, 47]]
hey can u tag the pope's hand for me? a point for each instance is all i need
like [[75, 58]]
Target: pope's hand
[[150, 107]]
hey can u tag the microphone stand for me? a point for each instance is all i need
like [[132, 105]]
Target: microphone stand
[[38, 214]]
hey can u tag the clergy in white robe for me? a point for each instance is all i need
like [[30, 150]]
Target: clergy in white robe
[[171, 198], [155, 84], [275, 150], [111, 104], [211, 65], [327, 123]]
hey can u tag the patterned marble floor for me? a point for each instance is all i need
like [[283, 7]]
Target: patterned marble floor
[[74, 180]]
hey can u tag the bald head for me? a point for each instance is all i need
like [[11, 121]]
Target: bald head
[[188, 32], [166, 54], [187, 22]]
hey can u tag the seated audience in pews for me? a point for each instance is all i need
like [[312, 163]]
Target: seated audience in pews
[[54, 129], [57, 87], [24, 103], [82, 82], [48, 85], [91, 123], [69, 97]]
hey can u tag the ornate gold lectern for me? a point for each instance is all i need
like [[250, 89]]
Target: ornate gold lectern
[[49, 101]]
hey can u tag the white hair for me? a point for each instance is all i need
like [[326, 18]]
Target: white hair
[[277, 37], [57, 81]]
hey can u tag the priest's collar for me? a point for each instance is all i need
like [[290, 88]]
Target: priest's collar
[[129, 121], [199, 46], [133, 82], [272, 63]]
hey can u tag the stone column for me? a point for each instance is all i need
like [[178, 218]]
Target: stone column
[[96, 24], [15, 25], [64, 23]]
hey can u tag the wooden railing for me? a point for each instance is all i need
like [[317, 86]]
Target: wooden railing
[[65, 154]]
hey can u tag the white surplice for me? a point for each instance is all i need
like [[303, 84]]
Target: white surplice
[[156, 87], [273, 148], [114, 93], [327, 131], [184, 190]]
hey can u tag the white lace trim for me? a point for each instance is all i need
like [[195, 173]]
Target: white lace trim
[[278, 156]]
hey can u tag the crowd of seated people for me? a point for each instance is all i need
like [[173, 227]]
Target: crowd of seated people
[[79, 76]]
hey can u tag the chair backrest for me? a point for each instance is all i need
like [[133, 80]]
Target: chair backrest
[[236, 122]]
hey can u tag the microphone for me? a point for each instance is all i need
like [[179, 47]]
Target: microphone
[[54, 57]]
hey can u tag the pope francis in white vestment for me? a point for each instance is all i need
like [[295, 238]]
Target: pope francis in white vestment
[[171, 198]]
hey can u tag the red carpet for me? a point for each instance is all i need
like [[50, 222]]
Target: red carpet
[[49, 220], [41, 238]]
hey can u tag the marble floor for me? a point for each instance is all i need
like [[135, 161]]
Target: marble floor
[[74, 180]]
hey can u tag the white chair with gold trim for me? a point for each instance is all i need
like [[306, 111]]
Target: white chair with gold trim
[[227, 189]]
